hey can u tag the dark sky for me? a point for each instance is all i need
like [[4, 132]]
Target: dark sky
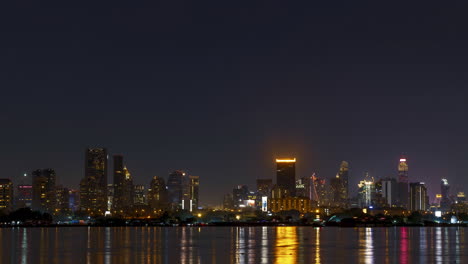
[[223, 88]]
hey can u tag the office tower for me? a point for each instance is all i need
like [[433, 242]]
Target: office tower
[[157, 195], [110, 196], [390, 191], [194, 186], [418, 196], [43, 190], [337, 187], [93, 187], [445, 201], [63, 200], [74, 199], [403, 183], [23, 196], [239, 195], [264, 187], [6, 196], [123, 188], [228, 202], [320, 191], [139, 195], [304, 187], [343, 174], [175, 189], [286, 175], [366, 192]]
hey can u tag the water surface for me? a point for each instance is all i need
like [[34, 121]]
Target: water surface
[[234, 245]]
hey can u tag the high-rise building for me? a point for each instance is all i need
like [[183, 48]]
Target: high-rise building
[[74, 199], [445, 201], [194, 186], [403, 193], [139, 195], [93, 187], [176, 189], [390, 191], [320, 191], [157, 195], [23, 196], [343, 174], [228, 202], [239, 195], [366, 192], [6, 195], [63, 200], [304, 187], [418, 196], [43, 190], [286, 174], [123, 188], [264, 187]]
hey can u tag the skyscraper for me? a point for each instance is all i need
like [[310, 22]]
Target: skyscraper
[[418, 196], [43, 190], [193, 199], [123, 188], [93, 187], [445, 201], [264, 187], [62, 195], [157, 195], [6, 195], [286, 175], [344, 176], [139, 195], [403, 183], [390, 191], [175, 189], [366, 192], [23, 196]]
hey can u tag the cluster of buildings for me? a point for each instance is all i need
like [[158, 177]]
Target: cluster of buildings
[[95, 197], [315, 194]]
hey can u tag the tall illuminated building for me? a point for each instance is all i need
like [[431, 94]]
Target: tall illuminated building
[[366, 192], [43, 190], [193, 193], [139, 195], [93, 187], [286, 175], [418, 196], [445, 201], [62, 195], [122, 202], [157, 194], [23, 196], [403, 193], [320, 192], [390, 191], [6, 195], [264, 187], [176, 189], [343, 173]]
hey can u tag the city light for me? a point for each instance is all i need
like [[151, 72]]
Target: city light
[[286, 160]]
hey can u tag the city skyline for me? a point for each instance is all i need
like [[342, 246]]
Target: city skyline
[[120, 167], [223, 92]]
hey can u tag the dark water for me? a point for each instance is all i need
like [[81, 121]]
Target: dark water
[[234, 245]]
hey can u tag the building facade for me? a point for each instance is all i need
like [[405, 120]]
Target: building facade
[[43, 190], [286, 174], [6, 195], [93, 187], [418, 196]]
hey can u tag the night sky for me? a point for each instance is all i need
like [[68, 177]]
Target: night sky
[[221, 89]]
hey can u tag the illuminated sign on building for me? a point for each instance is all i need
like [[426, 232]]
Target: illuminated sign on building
[[264, 203]]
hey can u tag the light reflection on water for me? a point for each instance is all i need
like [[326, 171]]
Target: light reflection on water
[[193, 245]]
